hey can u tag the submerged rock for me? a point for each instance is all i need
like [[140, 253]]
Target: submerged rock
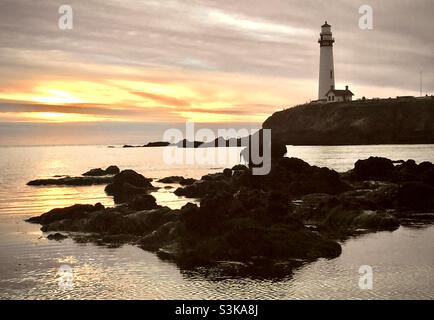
[[56, 236], [344, 214], [177, 179], [71, 181]]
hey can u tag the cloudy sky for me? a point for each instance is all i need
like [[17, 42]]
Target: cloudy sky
[[201, 60]]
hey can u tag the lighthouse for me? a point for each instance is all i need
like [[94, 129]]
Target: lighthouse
[[326, 68]]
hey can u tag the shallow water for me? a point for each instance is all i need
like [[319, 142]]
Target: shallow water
[[402, 261]]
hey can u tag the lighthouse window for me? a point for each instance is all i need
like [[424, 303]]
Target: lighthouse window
[[331, 74]]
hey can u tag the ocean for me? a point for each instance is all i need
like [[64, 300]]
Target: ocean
[[402, 261]]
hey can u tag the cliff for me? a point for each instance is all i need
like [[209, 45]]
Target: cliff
[[385, 121]]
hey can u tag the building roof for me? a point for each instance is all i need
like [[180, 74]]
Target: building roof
[[340, 93], [326, 25]]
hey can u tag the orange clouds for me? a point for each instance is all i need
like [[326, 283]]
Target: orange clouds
[[151, 95]]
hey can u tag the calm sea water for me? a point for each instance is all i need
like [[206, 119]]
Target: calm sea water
[[402, 261]]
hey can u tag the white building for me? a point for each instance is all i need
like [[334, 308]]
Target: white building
[[326, 91], [334, 95], [326, 67]]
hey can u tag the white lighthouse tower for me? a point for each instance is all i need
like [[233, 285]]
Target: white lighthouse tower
[[326, 68]]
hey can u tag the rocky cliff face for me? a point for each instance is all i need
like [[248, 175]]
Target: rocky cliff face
[[386, 121]]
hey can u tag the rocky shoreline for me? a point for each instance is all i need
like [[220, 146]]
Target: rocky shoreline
[[251, 225]]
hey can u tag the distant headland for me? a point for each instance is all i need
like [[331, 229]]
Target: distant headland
[[402, 120]]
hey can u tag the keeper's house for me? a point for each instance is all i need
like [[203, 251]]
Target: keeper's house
[[334, 95]]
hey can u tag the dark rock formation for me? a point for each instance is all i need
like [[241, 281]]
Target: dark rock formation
[[203, 187], [76, 211], [344, 214], [149, 145], [240, 167], [374, 168], [157, 144], [188, 144], [177, 179], [415, 196], [97, 172], [127, 184], [56, 236], [71, 181], [112, 170], [143, 202]]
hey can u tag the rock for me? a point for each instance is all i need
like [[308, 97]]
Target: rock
[[276, 148], [294, 165], [56, 236], [76, 211], [239, 167], [415, 196], [227, 172], [344, 214], [157, 144], [244, 239], [177, 179], [427, 177], [375, 220], [374, 168], [187, 181], [215, 176], [128, 184], [162, 239], [111, 170], [95, 172], [121, 220], [203, 187], [143, 202], [71, 181], [278, 204], [171, 179], [188, 144]]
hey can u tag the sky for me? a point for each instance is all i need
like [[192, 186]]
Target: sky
[[153, 62]]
